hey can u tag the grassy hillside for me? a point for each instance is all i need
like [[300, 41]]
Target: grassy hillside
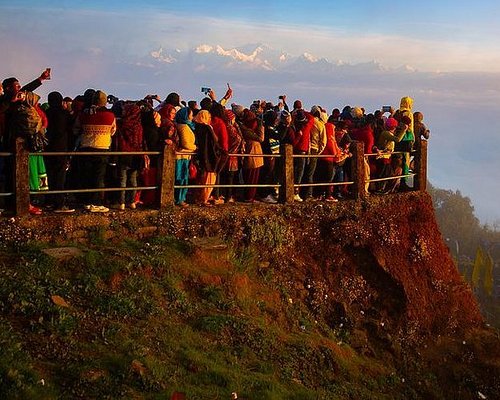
[[248, 311]]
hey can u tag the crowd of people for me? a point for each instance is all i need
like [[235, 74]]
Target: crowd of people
[[216, 143]]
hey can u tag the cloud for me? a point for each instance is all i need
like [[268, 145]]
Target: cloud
[[166, 58]]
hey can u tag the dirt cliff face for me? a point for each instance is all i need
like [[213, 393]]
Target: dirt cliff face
[[380, 260], [370, 284]]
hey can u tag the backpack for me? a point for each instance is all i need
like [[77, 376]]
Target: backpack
[[27, 123]]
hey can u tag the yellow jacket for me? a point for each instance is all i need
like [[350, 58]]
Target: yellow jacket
[[186, 141]]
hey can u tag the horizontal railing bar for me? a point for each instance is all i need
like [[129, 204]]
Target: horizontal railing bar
[[236, 155], [389, 154], [323, 184], [96, 153], [93, 190], [391, 178], [225, 186], [5, 154], [6, 194]]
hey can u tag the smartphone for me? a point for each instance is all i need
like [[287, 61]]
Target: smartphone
[[386, 108], [281, 97], [48, 72], [205, 90]]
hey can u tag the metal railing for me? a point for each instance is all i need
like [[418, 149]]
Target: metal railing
[[165, 178]]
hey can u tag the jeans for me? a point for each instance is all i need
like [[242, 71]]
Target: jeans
[[92, 174], [311, 169], [299, 165], [56, 173], [181, 178], [131, 174], [329, 176], [339, 177]]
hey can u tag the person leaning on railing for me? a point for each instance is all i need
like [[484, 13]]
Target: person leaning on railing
[[95, 126], [385, 147]]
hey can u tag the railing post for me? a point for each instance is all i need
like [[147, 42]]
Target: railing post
[[358, 170], [21, 183], [166, 177], [286, 189], [421, 167]]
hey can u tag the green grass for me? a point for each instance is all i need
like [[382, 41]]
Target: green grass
[[146, 319]]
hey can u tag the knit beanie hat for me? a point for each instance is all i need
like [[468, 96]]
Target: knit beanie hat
[[284, 114], [270, 117], [237, 109], [391, 123], [316, 111], [100, 98], [300, 116]]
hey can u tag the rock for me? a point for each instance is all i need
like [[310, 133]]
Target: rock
[[213, 247], [94, 374], [146, 231], [59, 301], [63, 253], [137, 367]]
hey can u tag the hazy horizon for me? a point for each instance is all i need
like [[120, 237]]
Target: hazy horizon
[[332, 55]]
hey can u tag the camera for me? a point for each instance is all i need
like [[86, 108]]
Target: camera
[[205, 90], [386, 108], [112, 99], [281, 97]]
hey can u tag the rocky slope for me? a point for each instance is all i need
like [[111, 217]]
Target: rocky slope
[[354, 300]]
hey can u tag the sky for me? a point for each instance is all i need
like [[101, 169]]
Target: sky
[[444, 54]]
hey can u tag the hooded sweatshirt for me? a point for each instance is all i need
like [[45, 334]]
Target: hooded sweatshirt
[[405, 108]]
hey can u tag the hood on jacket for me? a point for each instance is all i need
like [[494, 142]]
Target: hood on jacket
[[182, 116], [406, 103], [203, 117], [31, 98]]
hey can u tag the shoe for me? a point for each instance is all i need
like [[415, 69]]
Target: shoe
[[183, 204], [309, 198], [297, 198], [220, 200], [269, 199], [35, 210], [99, 209], [120, 207], [87, 207], [132, 206], [64, 209], [331, 199], [231, 200]]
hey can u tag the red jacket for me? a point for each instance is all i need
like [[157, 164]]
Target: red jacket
[[220, 130], [331, 144], [301, 141], [364, 134]]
